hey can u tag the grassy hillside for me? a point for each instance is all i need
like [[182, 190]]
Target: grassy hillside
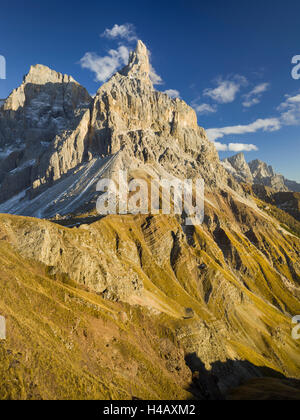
[[112, 310]]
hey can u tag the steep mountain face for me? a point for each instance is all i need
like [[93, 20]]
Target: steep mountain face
[[38, 121], [238, 166], [128, 125], [147, 308], [258, 172], [137, 306]]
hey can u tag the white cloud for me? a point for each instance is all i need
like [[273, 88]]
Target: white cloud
[[105, 67], [241, 147], [173, 93], [126, 31], [289, 115], [267, 124], [254, 96], [290, 110], [154, 77], [226, 90], [204, 109], [235, 147], [221, 147], [248, 103], [294, 99]]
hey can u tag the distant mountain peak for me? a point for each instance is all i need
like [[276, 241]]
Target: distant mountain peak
[[237, 164], [261, 169], [257, 172]]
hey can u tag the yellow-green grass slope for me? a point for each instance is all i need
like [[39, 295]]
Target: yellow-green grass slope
[[238, 272]]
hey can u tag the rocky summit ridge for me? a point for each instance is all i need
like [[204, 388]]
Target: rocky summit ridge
[[258, 172]]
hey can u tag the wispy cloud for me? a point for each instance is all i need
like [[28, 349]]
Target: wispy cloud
[[288, 114], [294, 99], [290, 110], [173, 93], [254, 96], [126, 31], [203, 109], [267, 124], [226, 90], [235, 147], [105, 67]]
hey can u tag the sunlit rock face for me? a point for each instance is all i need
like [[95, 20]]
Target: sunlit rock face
[[52, 130]]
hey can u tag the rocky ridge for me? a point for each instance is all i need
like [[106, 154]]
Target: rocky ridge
[[258, 172]]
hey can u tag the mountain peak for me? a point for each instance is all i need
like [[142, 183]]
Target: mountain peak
[[238, 157], [139, 63], [238, 160], [40, 74], [261, 169], [238, 163]]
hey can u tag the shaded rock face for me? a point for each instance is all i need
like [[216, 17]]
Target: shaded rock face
[[52, 128], [258, 172], [45, 111], [289, 201]]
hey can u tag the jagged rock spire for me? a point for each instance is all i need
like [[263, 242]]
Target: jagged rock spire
[[139, 63]]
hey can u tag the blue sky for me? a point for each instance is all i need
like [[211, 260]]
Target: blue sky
[[230, 60]]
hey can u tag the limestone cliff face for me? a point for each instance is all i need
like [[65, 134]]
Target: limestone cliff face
[[134, 297], [130, 116]]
